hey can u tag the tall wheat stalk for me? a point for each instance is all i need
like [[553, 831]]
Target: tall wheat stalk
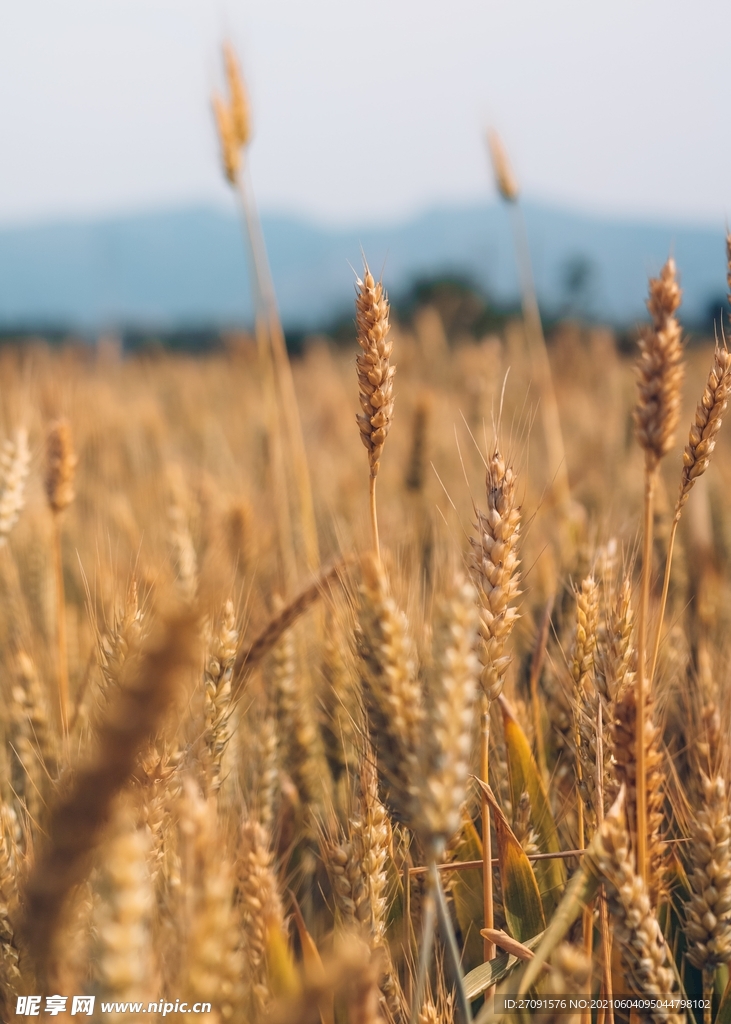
[[234, 128], [507, 186], [660, 379]]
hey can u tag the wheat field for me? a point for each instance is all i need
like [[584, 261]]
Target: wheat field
[[388, 684]]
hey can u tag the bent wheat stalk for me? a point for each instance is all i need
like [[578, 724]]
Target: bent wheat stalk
[[696, 459]]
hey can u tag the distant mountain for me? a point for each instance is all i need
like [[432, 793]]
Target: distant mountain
[[187, 267]]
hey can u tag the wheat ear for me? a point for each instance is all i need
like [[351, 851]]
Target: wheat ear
[[494, 571], [217, 707], [708, 912], [696, 459], [35, 744], [14, 466], [582, 674], [230, 154], [450, 704], [78, 817], [494, 567], [60, 470], [624, 740], [339, 723], [261, 908], [239, 111], [644, 949], [660, 379], [375, 377], [123, 917], [212, 962], [305, 760], [392, 693]]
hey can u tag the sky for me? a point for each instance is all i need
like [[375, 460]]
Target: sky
[[367, 111]]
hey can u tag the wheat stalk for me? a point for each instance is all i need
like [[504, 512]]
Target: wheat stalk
[[508, 187], [659, 381]]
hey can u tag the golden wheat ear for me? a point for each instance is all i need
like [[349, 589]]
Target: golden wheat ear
[[240, 112], [375, 376]]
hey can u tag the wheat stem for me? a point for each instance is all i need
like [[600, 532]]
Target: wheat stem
[[289, 407], [62, 678], [452, 948], [650, 479], [487, 893], [374, 518], [539, 356], [663, 600], [606, 936], [427, 941], [709, 974]]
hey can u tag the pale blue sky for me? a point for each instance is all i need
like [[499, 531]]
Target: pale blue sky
[[367, 110]]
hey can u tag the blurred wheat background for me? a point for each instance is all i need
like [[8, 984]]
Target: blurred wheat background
[[376, 684]]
